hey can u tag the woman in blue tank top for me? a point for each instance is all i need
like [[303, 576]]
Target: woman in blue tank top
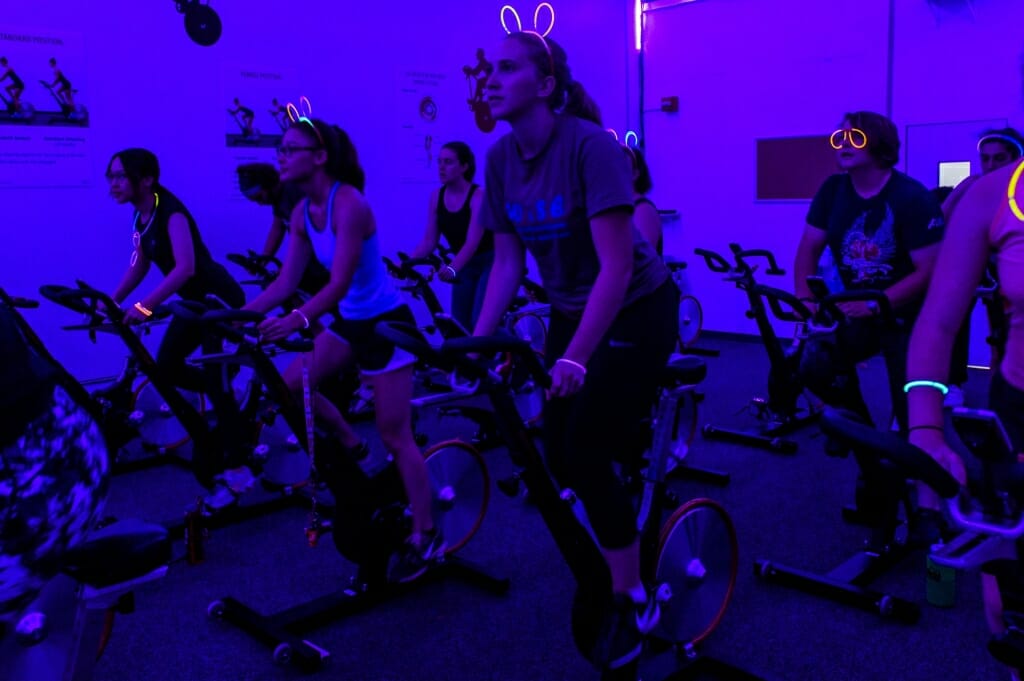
[[336, 226]]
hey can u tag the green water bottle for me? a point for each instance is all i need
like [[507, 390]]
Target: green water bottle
[[940, 589]]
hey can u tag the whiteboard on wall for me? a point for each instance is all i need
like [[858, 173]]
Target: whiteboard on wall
[[793, 168]]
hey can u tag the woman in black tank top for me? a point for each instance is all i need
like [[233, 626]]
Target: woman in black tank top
[[453, 210], [164, 233]]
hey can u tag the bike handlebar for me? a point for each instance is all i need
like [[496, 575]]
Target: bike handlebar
[[912, 463], [18, 301], [743, 255], [714, 261], [454, 354], [224, 320]]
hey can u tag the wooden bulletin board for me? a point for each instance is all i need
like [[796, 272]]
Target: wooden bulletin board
[[793, 168]]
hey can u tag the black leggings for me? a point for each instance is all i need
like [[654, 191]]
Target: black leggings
[[828, 366], [181, 339], [584, 433]]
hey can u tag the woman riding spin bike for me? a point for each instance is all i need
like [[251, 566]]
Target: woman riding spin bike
[[452, 214], [559, 186], [165, 233], [336, 226]]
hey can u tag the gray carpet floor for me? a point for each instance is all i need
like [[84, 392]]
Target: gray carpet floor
[[787, 508]]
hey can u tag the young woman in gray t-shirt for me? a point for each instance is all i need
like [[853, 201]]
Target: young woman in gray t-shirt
[[559, 186]]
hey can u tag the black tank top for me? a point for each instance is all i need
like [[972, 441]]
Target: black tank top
[[209, 276], [454, 226]]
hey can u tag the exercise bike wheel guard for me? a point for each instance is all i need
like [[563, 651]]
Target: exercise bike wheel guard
[[461, 489], [158, 426], [698, 559], [531, 328], [691, 321]]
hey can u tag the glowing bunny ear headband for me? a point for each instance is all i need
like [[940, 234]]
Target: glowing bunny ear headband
[[302, 113], [630, 141], [540, 35]]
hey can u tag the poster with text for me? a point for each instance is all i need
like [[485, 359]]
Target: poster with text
[[419, 111], [255, 101], [44, 108]]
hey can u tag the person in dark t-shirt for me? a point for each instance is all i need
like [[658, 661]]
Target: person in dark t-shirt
[[164, 233], [883, 229], [261, 183], [559, 186]]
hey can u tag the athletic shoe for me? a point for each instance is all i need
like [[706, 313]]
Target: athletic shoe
[[220, 498], [413, 559], [619, 641]]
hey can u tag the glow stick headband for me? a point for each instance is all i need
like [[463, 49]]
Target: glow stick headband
[[1011, 192], [302, 113], [626, 143], [996, 137], [541, 35]]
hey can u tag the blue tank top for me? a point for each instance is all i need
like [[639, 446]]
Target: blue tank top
[[370, 293]]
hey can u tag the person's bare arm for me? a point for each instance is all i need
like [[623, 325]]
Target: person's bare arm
[[961, 259], [133, 276], [275, 237], [503, 283], [295, 261], [184, 262], [808, 253], [613, 242]]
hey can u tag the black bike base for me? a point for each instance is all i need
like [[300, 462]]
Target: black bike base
[[847, 584], [282, 629], [698, 474], [237, 513], [760, 439]]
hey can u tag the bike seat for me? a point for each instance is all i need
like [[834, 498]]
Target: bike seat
[[684, 370], [118, 553]]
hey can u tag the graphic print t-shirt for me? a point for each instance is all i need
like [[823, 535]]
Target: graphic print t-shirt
[[871, 239], [549, 200]]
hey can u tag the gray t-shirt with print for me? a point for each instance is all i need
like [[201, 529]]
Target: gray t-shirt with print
[[548, 202]]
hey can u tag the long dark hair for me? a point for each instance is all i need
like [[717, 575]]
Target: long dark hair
[[138, 163], [342, 158], [569, 96], [465, 156]]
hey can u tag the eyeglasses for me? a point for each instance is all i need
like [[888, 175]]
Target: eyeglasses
[[116, 177], [288, 151], [858, 138]]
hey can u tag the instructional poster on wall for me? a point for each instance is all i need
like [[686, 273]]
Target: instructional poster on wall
[[420, 117], [255, 115], [44, 109]]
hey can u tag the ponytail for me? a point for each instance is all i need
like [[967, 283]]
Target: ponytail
[[580, 104], [342, 159]]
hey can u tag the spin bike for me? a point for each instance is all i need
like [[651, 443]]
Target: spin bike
[[140, 398], [691, 557], [369, 521], [990, 514], [882, 491], [781, 413]]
